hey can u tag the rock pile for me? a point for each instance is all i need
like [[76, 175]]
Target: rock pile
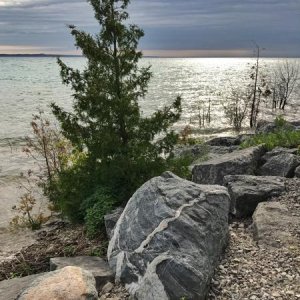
[[248, 270]]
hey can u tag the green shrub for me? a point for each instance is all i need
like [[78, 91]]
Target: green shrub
[[180, 167], [280, 122], [281, 138], [95, 208], [72, 186]]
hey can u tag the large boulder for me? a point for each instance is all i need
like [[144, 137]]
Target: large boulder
[[272, 223], [69, 283], [283, 165], [239, 162], [96, 265], [169, 238], [248, 191]]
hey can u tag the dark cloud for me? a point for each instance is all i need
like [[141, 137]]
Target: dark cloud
[[169, 24]]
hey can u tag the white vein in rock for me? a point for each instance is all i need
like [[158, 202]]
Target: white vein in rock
[[164, 225]]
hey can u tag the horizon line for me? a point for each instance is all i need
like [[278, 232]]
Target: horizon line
[[145, 56]]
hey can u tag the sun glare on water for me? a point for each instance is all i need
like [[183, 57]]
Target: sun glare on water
[[12, 2]]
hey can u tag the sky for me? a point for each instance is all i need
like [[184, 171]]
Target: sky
[[172, 27]]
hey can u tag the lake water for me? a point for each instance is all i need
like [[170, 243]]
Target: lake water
[[27, 84]]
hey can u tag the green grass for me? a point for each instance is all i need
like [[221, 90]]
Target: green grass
[[281, 138]]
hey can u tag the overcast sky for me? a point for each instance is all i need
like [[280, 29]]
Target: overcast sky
[[172, 27]]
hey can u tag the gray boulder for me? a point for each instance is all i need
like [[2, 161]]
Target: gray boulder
[[169, 238], [283, 165], [96, 265], [279, 150], [265, 127], [271, 225], [239, 162], [248, 191], [111, 220]]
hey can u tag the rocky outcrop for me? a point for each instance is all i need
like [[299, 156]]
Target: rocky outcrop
[[283, 165], [236, 163], [96, 265], [168, 240], [248, 191], [111, 220], [271, 222], [69, 283]]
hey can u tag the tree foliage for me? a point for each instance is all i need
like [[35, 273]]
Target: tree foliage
[[123, 148]]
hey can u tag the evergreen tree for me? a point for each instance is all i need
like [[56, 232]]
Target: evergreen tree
[[124, 149]]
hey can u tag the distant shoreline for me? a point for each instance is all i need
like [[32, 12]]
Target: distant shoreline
[[41, 55]]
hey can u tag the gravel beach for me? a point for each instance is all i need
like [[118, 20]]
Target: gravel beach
[[248, 271]]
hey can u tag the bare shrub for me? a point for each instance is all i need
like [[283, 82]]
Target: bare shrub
[[236, 107], [285, 79]]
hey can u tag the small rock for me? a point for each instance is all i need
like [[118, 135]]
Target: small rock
[[107, 288], [275, 294], [96, 265]]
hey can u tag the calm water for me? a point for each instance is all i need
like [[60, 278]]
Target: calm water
[[27, 84]]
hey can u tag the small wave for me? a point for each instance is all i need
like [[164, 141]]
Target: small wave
[[12, 142], [5, 179]]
